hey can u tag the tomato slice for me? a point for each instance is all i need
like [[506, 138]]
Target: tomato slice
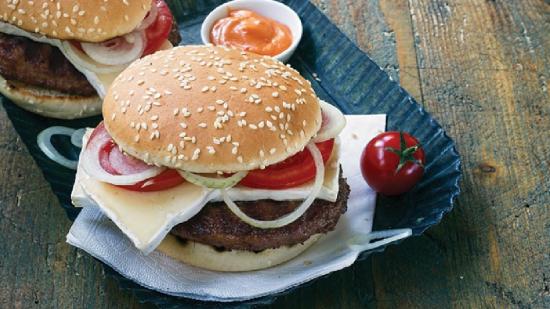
[[292, 172], [165, 180], [115, 162], [159, 30]]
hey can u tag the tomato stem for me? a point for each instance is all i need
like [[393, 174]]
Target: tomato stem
[[406, 154]]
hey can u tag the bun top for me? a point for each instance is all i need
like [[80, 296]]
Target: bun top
[[207, 109], [82, 20]]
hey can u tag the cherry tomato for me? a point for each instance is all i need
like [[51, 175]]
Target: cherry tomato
[[115, 162], [392, 163], [292, 172], [159, 30]]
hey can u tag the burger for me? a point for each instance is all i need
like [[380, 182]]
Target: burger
[[219, 158], [58, 58]]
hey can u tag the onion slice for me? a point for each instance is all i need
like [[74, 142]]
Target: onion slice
[[80, 59], [92, 166], [149, 18], [213, 183], [45, 144], [333, 122], [299, 211], [117, 51]]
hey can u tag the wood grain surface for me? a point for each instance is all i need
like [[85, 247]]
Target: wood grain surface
[[481, 67]]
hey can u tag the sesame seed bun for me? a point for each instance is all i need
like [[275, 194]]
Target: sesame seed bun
[[207, 257], [205, 109], [82, 20], [50, 103]]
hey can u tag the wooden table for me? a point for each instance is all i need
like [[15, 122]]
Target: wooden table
[[481, 67]]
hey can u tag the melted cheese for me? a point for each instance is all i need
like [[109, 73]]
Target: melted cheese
[[100, 81], [147, 217]]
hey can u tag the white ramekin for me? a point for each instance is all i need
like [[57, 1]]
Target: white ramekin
[[268, 8]]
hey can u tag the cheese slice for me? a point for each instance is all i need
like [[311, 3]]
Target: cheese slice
[[100, 81], [147, 217]]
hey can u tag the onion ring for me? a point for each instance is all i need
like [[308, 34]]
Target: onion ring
[[150, 18], [118, 51], [333, 122], [91, 164], [80, 59], [213, 183], [299, 211]]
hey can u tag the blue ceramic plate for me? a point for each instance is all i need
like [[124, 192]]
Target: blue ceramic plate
[[349, 80]]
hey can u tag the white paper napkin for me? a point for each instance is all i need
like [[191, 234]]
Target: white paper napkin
[[94, 233]]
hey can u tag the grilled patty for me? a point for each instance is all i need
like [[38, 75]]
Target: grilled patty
[[217, 226], [43, 65]]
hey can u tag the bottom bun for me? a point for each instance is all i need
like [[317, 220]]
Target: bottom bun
[[205, 256], [50, 103]]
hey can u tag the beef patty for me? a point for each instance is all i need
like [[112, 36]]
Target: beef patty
[[217, 226], [43, 65]]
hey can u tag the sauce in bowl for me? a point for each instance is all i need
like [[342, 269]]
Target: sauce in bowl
[[252, 32]]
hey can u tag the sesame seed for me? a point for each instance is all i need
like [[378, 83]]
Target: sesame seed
[[196, 154], [275, 94]]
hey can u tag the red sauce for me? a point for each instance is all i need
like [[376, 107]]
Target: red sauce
[[251, 32]]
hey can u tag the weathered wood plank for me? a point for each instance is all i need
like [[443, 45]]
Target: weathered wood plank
[[483, 68]]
